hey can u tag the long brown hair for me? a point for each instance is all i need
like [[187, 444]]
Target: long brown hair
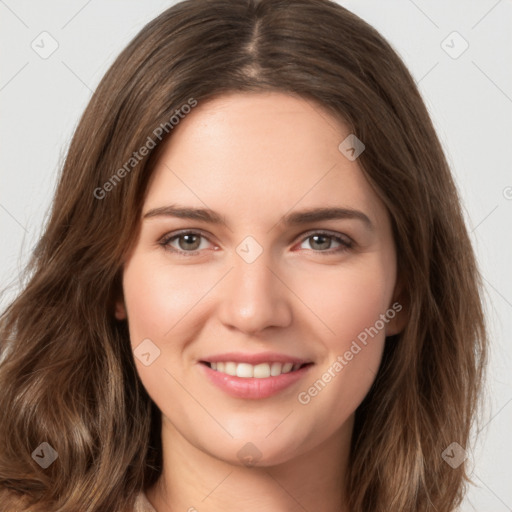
[[67, 372]]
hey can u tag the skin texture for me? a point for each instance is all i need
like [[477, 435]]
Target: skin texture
[[254, 157]]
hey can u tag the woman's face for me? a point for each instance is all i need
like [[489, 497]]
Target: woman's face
[[244, 278]]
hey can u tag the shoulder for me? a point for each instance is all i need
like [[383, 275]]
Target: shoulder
[[142, 504]]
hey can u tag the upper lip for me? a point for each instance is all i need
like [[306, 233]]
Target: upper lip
[[262, 357]]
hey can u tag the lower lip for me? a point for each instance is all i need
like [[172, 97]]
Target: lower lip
[[252, 388]]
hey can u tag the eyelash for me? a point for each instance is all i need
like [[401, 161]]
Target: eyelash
[[346, 244]]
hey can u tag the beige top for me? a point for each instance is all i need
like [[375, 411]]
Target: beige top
[[142, 504]]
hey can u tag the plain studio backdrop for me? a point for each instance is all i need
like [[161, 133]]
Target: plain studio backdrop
[[459, 52]]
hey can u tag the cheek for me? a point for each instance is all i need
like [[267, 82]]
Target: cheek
[[348, 300], [338, 302], [350, 303], [159, 303], [157, 299]]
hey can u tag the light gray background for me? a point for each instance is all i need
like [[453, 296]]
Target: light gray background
[[469, 98]]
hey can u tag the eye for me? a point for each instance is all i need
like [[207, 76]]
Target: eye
[[322, 242], [188, 242]]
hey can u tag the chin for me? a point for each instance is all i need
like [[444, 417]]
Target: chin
[[256, 451]]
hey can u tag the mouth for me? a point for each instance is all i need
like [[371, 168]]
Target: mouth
[[263, 379], [254, 371]]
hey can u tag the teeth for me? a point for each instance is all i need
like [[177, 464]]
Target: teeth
[[261, 371], [244, 370], [275, 369], [230, 368], [258, 371]]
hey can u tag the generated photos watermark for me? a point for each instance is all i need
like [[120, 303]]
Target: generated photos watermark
[[137, 156], [305, 397]]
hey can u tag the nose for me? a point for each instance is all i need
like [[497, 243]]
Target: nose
[[255, 296]]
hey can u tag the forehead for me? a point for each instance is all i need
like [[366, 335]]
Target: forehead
[[252, 156]]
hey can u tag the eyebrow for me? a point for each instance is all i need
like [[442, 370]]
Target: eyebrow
[[296, 218]]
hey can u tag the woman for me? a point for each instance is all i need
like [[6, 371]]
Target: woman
[[256, 289]]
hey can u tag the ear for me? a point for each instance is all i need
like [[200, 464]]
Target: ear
[[120, 310], [117, 298], [397, 311]]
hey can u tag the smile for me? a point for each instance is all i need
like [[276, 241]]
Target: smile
[[248, 381], [257, 371]]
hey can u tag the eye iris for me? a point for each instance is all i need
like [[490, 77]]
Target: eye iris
[[188, 237], [323, 245]]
